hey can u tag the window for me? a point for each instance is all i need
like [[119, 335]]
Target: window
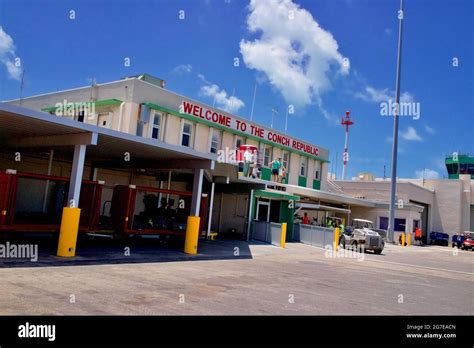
[[238, 142], [317, 170], [187, 134], [263, 209], [466, 168], [285, 157], [400, 225], [303, 165], [383, 223], [80, 116], [416, 224], [215, 140], [453, 168], [156, 126], [267, 156], [103, 119]]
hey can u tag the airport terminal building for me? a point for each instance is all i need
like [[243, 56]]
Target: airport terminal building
[[138, 159]]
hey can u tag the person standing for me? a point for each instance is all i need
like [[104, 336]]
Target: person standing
[[418, 236], [248, 157], [281, 172], [305, 219], [275, 166], [341, 227]]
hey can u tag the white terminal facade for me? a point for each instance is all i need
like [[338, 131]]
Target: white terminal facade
[[142, 134]]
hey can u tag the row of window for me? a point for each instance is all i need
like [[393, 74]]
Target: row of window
[[304, 168], [399, 224], [187, 139], [186, 133]]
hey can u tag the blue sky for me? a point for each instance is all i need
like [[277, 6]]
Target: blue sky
[[292, 50]]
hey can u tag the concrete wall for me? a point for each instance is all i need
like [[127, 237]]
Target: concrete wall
[[172, 130], [380, 190], [230, 211], [447, 210], [324, 176], [310, 173], [294, 168]]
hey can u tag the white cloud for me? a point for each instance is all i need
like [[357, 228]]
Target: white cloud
[[427, 174], [203, 78], [410, 134], [221, 99], [372, 94], [429, 129], [182, 69], [293, 51], [7, 55]]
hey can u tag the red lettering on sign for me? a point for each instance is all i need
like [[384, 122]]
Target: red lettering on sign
[[225, 120], [196, 110], [187, 107]]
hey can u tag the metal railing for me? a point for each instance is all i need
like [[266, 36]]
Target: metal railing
[[268, 232], [313, 235]]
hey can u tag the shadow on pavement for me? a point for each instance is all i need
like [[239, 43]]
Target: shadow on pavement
[[102, 251]]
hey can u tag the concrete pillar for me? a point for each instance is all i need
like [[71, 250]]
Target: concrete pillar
[[76, 175], [249, 218], [46, 188], [324, 176], [71, 214], [197, 192], [211, 206]]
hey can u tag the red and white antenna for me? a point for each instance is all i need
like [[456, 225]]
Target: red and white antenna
[[346, 121]]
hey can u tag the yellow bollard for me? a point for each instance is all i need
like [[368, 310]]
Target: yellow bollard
[[408, 239], [403, 239], [336, 238], [68, 232], [192, 235], [283, 235]]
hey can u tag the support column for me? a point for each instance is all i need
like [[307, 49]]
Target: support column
[[211, 206], [197, 192], [71, 214], [93, 173], [46, 188], [192, 226], [249, 220], [76, 175], [168, 187]]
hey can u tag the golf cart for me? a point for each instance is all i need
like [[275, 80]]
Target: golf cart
[[361, 233]]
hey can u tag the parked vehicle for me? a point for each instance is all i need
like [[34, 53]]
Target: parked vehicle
[[439, 238], [361, 233], [468, 243], [457, 240]]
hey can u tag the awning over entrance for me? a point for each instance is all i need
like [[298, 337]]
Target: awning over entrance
[[313, 206], [25, 128], [275, 194], [328, 197]]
